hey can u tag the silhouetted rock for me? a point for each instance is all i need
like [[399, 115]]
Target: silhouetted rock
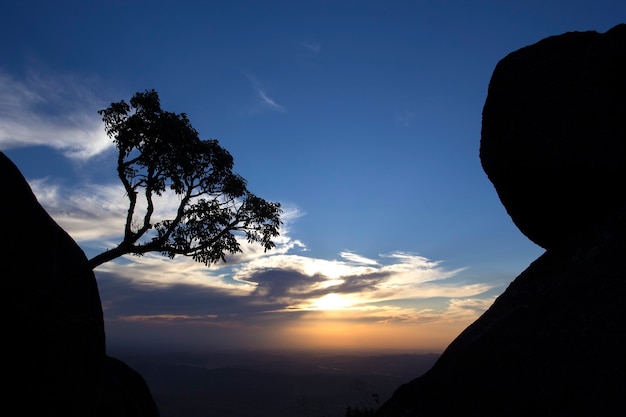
[[53, 329], [554, 133], [554, 343], [125, 392]]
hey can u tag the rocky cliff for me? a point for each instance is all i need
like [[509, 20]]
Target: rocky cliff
[[554, 145], [52, 322]]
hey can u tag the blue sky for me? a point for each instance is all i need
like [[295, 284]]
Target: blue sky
[[361, 117]]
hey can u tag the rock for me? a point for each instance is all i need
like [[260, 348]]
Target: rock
[[53, 317], [56, 363], [554, 133], [125, 392], [554, 343], [551, 345]]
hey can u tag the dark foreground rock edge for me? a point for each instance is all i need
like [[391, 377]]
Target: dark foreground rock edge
[[53, 321], [554, 146], [553, 138], [552, 344]]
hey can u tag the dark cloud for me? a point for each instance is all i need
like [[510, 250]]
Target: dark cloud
[[280, 283], [362, 283], [121, 297]]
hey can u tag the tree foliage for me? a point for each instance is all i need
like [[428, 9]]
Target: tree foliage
[[159, 152]]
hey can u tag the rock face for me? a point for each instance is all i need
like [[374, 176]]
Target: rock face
[[554, 343], [125, 392], [53, 312], [554, 133], [54, 341]]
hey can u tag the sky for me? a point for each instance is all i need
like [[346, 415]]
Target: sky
[[362, 118]]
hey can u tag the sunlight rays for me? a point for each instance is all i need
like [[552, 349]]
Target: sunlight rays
[[331, 301]]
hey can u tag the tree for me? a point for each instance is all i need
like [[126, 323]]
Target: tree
[[160, 151]]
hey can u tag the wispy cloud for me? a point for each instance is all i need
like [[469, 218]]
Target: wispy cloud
[[265, 101], [405, 118], [357, 259], [312, 46], [91, 213], [60, 113], [94, 215], [269, 102]]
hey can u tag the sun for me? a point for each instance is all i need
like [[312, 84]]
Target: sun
[[331, 301]]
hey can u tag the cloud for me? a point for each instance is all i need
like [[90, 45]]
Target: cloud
[[90, 213], [282, 293], [265, 101], [218, 313], [285, 284], [281, 280], [405, 118], [95, 214], [269, 102], [471, 307], [285, 296], [357, 259], [312, 46], [59, 113]]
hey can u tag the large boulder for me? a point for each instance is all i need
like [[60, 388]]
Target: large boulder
[[554, 343], [55, 356], [554, 133], [53, 325]]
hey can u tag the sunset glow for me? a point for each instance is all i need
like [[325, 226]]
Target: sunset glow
[[331, 301], [362, 119]]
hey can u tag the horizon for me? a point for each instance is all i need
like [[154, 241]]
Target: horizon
[[152, 350], [362, 119]]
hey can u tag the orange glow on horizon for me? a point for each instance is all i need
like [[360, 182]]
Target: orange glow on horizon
[[347, 329], [355, 336]]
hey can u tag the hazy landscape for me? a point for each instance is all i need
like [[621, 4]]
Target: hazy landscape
[[272, 383]]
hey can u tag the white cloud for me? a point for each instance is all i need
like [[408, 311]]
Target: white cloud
[[265, 101], [156, 271], [307, 266], [454, 311], [61, 114], [89, 213], [269, 102], [408, 277], [357, 259], [471, 307], [94, 215]]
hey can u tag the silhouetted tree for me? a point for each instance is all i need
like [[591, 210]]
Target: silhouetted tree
[[160, 151]]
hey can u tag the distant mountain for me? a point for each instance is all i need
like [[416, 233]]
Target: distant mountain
[[277, 384]]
